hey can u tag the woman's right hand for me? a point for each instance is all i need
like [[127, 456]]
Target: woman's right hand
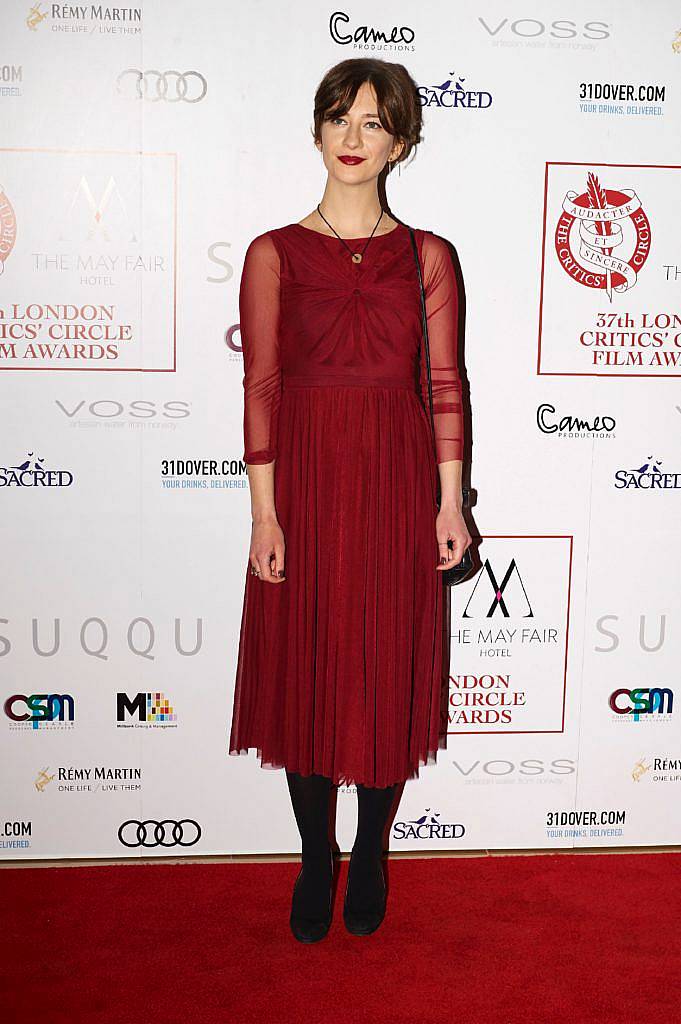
[[267, 550]]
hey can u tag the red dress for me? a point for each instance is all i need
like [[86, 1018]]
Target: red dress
[[343, 668]]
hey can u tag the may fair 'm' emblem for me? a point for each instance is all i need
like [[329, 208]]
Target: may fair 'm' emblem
[[603, 237], [8, 228]]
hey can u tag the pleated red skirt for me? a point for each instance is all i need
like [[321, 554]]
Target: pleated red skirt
[[343, 669]]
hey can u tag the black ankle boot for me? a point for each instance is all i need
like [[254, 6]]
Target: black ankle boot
[[311, 904], [365, 895]]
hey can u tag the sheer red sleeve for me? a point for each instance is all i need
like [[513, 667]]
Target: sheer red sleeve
[[259, 328], [442, 309]]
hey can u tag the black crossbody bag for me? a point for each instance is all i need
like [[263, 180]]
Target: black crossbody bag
[[462, 569]]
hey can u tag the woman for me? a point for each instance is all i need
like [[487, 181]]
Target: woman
[[342, 655]]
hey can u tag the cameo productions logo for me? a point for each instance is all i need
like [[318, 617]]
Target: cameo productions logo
[[8, 229], [648, 477], [570, 425], [33, 473], [166, 86], [453, 94], [602, 237], [152, 710], [428, 826], [662, 769], [642, 704], [91, 779], [167, 833], [45, 711], [365, 37]]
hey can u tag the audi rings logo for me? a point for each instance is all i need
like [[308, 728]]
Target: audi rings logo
[[170, 86], [150, 833]]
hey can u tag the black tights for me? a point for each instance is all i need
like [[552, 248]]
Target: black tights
[[310, 799]]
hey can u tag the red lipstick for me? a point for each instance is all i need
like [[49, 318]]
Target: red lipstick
[[351, 159]]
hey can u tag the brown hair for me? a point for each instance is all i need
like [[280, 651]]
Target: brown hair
[[397, 98]]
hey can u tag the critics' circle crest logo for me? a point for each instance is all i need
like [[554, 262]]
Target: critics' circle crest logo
[[8, 228], [603, 237]]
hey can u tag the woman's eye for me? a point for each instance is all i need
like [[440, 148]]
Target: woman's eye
[[376, 123]]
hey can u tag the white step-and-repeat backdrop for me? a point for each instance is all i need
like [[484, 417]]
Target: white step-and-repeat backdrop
[[142, 149]]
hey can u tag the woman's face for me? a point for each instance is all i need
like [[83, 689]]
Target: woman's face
[[359, 133]]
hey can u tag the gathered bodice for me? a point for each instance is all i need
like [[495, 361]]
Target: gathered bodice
[[311, 316]]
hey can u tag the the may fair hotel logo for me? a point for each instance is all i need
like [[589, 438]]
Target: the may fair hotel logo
[[85, 19], [606, 308], [509, 662], [87, 282]]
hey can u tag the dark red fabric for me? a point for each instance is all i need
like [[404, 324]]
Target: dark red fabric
[[306, 310], [342, 669]]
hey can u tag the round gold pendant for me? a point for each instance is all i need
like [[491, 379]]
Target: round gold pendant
[[356, 257]]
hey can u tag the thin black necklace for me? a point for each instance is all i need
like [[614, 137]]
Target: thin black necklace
[[356, 256]]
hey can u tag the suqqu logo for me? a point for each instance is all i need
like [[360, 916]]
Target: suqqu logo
[[365, 37], [32, 473]]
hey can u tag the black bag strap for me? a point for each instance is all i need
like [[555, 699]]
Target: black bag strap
[[424, 335], [426, 349]]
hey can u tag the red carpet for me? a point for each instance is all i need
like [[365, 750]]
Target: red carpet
[[549, 939]]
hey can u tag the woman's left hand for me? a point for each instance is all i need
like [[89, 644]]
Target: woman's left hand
[[451, 526]]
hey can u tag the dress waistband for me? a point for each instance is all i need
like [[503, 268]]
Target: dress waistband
[[296, 380]]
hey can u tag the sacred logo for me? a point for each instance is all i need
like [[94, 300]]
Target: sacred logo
[[8, 228], [603, 237]]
